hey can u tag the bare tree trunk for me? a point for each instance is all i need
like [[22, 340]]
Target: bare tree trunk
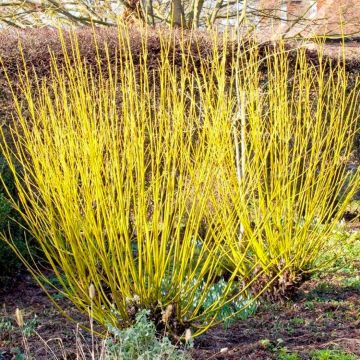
[[177, 13]]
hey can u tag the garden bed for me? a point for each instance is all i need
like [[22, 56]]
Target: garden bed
[[323, 314]]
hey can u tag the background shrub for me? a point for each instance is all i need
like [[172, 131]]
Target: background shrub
[[10, 224]]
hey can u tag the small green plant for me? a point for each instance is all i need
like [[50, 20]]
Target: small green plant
[[239, 309], [29, 327], [7, 329], [141, 342], [274, 346], [309, 305], [13, 327], [6, 325], [328, 354], [266, 343]]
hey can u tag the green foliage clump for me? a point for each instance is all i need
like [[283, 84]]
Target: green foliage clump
[[140, 342], [10, 264], [10, 327]]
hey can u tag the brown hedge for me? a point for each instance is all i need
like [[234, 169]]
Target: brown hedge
[[37, 43]]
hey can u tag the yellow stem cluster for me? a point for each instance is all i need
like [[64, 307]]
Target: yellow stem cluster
[[148, 184]]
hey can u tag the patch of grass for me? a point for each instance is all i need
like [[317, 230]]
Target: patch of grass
[[297, 321], [329, 314], [328, 354], [277, 347], [352, 282], [323, 292], [343, 254]]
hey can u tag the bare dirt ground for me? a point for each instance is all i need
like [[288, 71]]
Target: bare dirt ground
[[323, 314], [53, 330]]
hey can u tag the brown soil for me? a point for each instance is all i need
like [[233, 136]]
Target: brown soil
[[324, 313], [53, 327]]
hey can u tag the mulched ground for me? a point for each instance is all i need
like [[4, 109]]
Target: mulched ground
[[324, 313]]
